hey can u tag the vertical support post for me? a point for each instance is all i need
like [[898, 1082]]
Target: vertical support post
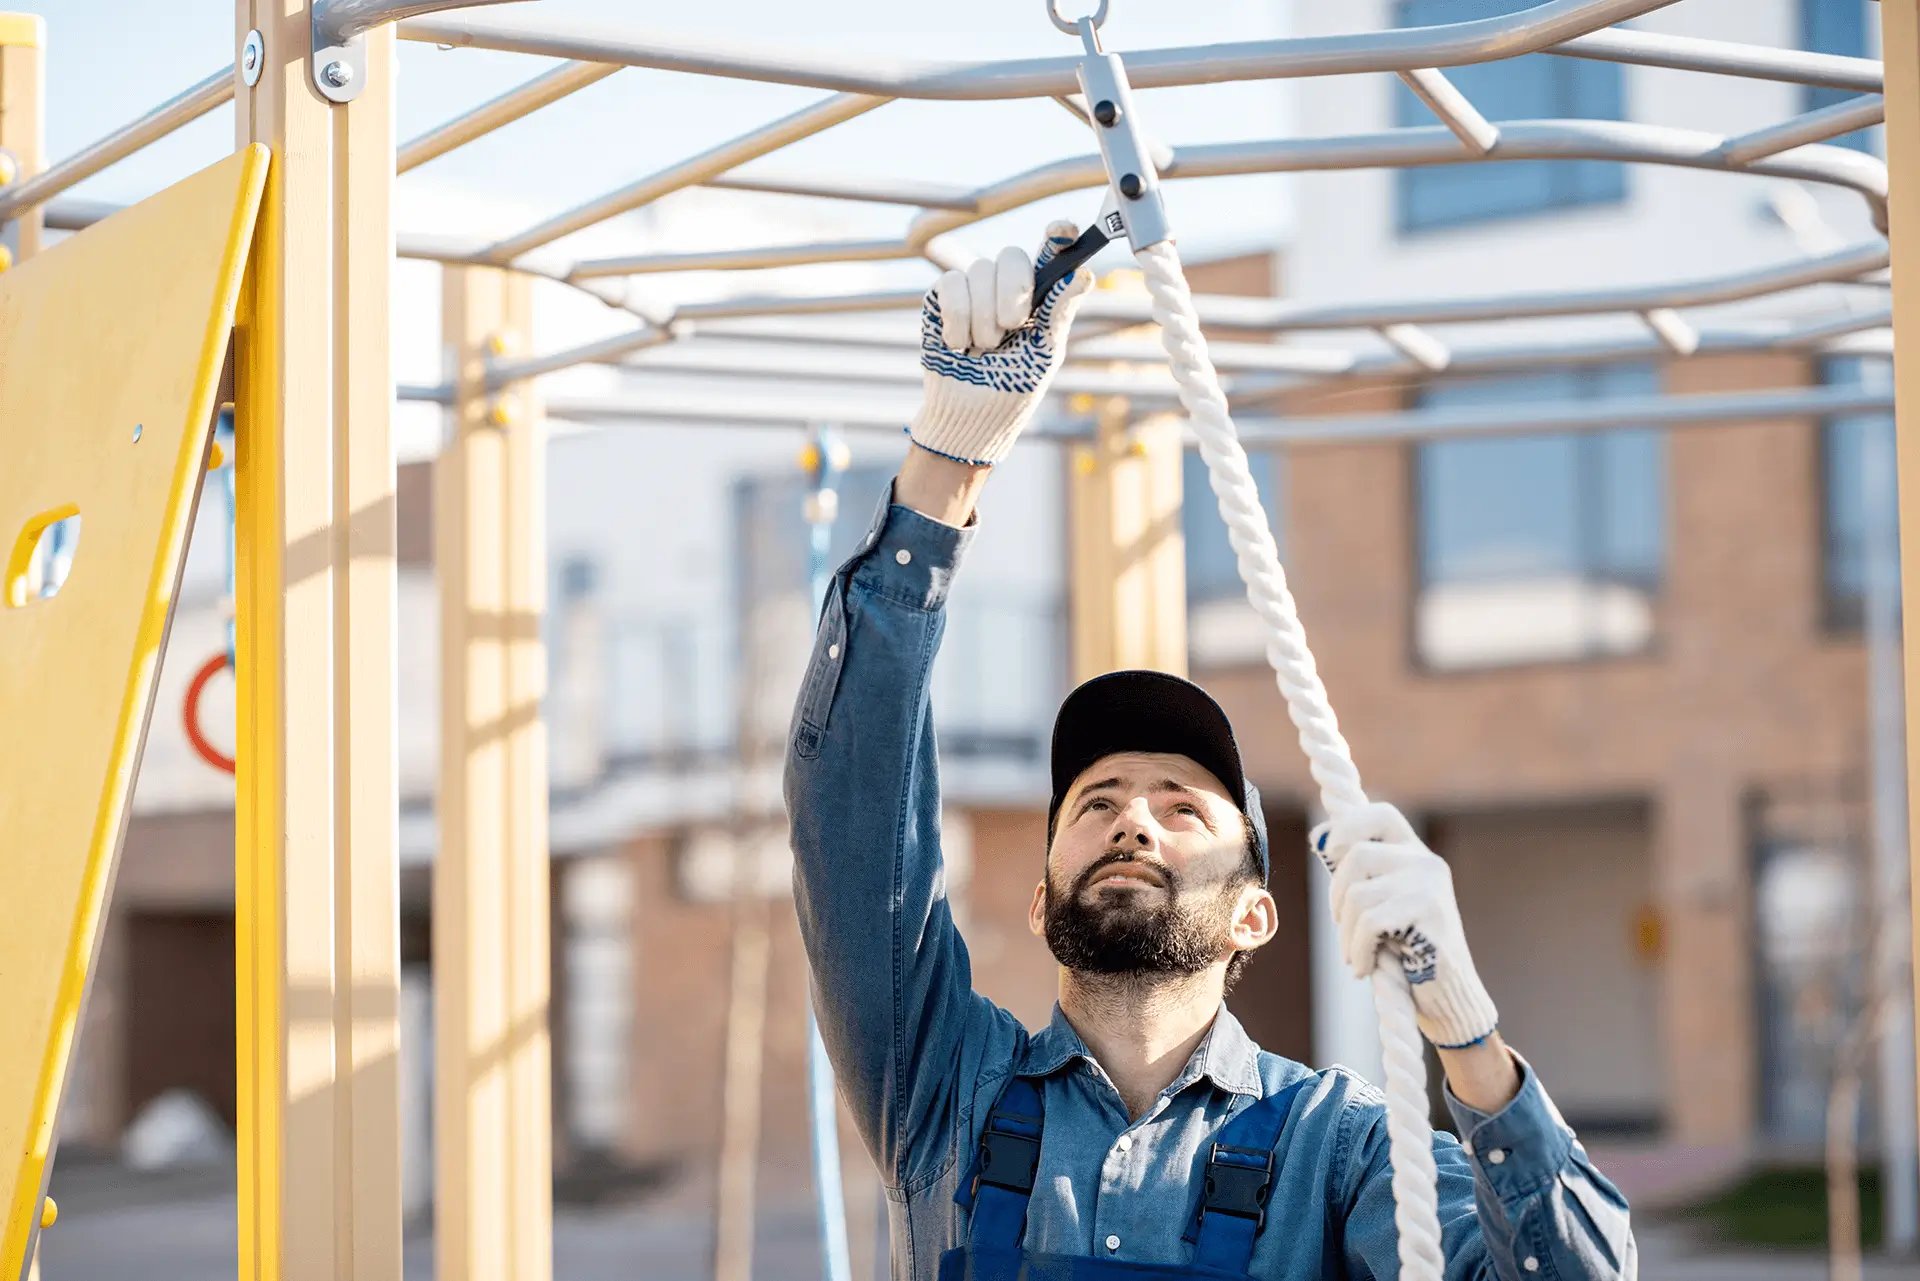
[[1129, 579], [492, 1086], [22, 121], [22, 137], [1900, 47], [316, 915]]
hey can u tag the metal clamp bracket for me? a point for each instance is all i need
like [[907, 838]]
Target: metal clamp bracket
[[338, 65], [1131, 175]]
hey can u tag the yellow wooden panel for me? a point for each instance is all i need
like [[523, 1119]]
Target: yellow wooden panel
[[111, 345]]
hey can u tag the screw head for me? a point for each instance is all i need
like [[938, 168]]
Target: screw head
[[1106, 113], [337, 74], [1131, 186]]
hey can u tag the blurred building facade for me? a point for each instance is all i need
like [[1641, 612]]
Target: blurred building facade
[[1619, 677]]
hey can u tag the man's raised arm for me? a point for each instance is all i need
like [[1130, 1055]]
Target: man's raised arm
[[892, 982]]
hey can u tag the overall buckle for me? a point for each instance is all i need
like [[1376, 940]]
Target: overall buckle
[[1008, 1160], [1239, 1190]]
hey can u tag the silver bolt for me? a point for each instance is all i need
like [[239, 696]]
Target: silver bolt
[[337, 74], [252, 54]]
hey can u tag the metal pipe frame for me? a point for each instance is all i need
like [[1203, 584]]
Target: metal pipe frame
[[1813, 126]]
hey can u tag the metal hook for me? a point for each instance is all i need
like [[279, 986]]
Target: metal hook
[[1073, 28]]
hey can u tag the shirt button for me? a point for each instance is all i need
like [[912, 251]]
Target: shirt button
[[1498, 1156], [1126, 1143], [1113, 1243], [1532, 1264], [1467, 1147], [833, 651], [903, 557]]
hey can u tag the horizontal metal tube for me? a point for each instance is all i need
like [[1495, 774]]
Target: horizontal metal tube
[[510, 106], [890, 191], [1724, 57], [1505, 420], [1813, 126], [604, 351], [1401, 49], [835, 251], [214, 91], [688, 173]]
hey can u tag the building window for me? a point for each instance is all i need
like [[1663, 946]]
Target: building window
[[1835, 26], [1857, 483], [1539, 548], [1222, 629], [1537, 86]]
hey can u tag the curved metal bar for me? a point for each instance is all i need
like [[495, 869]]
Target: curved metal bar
[[1432, 145], [510, 106], [1401, 49], [214, 91], [887, 191], [338, 21]]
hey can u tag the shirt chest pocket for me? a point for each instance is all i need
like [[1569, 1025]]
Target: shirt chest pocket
[[823, 673]]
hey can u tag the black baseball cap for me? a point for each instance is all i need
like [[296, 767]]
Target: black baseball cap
[[1145, 711]]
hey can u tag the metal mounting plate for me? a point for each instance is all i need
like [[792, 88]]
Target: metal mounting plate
[[347, 62]]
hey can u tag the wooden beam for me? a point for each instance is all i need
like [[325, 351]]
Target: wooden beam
[[492, 1086], [316, 880], [1900, 47], [22, 114], [1128, 554]]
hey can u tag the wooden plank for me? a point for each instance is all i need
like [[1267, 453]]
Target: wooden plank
[[150, 294], [492, 1088], [1900, 47], [316, 880]]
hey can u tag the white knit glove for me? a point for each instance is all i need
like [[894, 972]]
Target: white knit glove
[[988, 354], [1392, 893]]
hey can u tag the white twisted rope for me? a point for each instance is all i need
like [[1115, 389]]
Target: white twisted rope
[[1416, 1200]]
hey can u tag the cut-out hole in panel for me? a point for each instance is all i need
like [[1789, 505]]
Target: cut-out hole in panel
[[41, 558]]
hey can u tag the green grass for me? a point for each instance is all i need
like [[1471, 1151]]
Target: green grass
[[1784, 1207]]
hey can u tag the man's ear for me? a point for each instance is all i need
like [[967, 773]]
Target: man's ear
[[1037, 910], [1258, 919]]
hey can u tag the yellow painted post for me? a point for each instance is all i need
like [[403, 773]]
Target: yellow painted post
[[493, 1211], [22, 138], [1129, 580], [316, 879], [1900, 46], [22, 119]]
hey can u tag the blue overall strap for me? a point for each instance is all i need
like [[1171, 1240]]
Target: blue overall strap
[[1239, 1180], [1004, 1169]]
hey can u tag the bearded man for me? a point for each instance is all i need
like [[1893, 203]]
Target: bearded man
[[1141, 1135]]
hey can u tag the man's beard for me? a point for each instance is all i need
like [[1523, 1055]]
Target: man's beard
[[1149, 933]]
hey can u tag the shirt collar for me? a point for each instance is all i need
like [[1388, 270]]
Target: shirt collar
[[1226, 1056]]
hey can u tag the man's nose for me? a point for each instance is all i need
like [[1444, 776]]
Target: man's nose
[[1133, 829]]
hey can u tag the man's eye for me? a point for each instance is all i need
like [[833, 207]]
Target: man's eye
[[1098, 803], [1184, 808]]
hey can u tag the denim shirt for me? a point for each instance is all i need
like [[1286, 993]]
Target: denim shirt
[[921, 1057]]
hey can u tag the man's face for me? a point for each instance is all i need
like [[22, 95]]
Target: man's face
[[1148, 871]]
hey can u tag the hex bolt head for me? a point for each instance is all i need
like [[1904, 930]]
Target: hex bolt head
[[337, 74], [1106, 113], [1131, 186]]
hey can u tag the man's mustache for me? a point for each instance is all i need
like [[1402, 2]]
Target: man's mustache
[[1117, 856]]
